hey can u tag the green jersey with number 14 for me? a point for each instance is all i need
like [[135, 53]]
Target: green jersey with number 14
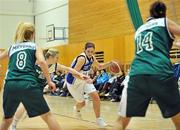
[[22, 62], [153, 43]]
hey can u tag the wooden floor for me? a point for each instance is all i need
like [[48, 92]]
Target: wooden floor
[[61, 107]]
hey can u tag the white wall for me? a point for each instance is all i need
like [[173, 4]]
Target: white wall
[[16, 6], [11, 13], [50, 12], [45, 12], [45, 5], [8, 27]]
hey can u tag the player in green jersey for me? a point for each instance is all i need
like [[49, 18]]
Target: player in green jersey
[[151, 73], [51, 57], [21, 83]]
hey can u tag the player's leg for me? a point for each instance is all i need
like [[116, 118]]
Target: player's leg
[[96, 103], [6, 123], [77, 91], [121, 123], [79, 106], [167, 96], [51, 121], [77, 109], [134, 101], [36, 105], [91, 90], [11, 100], [19, 113], [176, 121]]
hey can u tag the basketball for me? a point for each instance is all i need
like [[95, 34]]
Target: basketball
[[115, 67]]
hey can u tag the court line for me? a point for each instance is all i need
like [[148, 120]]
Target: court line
[[79, 119], [87, 121]]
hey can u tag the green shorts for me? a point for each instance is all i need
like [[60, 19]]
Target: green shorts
[[28, 93], [140, 89]]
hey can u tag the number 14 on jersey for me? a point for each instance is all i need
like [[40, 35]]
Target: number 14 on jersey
[[144, 43]]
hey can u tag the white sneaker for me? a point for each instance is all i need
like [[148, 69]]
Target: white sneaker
[[76, 113], [107, 94], [12, 128], [100, 122]]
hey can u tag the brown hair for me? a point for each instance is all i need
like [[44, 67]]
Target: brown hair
[[89, 45], [158, 9]]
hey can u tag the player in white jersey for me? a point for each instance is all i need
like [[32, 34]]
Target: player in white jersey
[[77, 87]]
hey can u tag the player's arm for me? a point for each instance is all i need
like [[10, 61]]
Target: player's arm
[[79, 64], [101, 66], [71, 70], [3, 55], [44, 67], [173, 28]]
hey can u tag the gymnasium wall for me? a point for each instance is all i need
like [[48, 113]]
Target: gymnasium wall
[[3, 68], [101, 20], [50, 12], [173, 8], [114, 48], [11, 12], [39, 11], [106, 23], [98, 19]]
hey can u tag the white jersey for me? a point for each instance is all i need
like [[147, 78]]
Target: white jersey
[[84, 70]]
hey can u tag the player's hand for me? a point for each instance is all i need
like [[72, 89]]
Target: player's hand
[[86, 78], [83, 77], [89, 81], [52, 86]]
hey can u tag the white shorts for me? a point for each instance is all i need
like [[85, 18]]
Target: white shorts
[[78, 89]]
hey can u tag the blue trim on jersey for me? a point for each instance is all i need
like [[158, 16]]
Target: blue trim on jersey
[[86, 67], [70, 78]]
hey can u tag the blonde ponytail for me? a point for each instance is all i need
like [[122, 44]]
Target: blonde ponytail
[[24, 32]]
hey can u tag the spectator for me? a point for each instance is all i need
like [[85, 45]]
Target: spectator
[[101, 80], [117, 87]]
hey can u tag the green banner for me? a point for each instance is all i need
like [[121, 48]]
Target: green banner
[[135, 14]]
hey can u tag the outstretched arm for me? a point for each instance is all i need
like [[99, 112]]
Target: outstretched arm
[[173, 28], [72, 71], [44, 67], [101, 66]]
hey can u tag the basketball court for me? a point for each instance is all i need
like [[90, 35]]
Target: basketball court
[[61, 107], [67, 25]]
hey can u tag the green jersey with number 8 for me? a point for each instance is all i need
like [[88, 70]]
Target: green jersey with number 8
[[153, 43], [22, 62]]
